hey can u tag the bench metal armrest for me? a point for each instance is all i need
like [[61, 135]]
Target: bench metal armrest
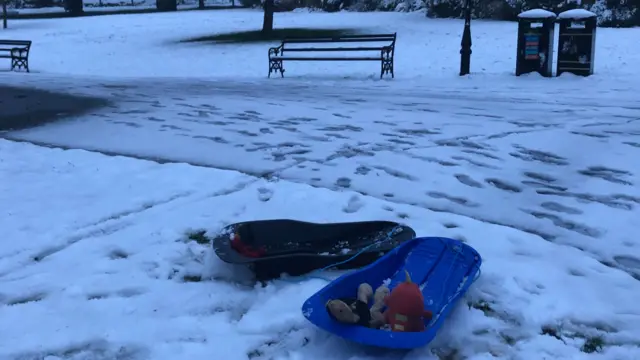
[[387, 51], [275, 51], [19, 52]]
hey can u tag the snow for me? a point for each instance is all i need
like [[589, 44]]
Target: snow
[[425, 48], [539, 175], [577, 14], [536, 14]]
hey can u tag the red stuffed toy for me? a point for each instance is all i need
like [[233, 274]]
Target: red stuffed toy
[[405, 308]]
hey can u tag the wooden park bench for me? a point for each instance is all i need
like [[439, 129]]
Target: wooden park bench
[[17, 51], [375, 47]]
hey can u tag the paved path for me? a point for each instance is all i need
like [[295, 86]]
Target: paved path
[[560, 163], [23, 107]]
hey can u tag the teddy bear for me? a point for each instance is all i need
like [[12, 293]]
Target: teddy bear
[[404, 307], [356, 311]]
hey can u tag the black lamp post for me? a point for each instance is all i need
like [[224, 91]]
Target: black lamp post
[[465, 45]]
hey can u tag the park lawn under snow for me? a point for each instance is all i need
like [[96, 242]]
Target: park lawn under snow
[[131, 45], [116, 274], [539, 175]]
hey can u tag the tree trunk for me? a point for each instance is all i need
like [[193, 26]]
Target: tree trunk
[[267, 23], [166, 5], [4, 14], [75, 7], [201, 4]]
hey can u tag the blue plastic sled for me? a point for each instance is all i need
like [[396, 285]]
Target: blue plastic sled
[[444, 268]]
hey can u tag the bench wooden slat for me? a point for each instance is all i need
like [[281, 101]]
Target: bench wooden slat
[[364, 36], [329, 40], [378, 48], [326, 58], [15, 42], [360, 36]]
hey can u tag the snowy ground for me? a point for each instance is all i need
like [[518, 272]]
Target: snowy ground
[[426, 48], [540, 175]]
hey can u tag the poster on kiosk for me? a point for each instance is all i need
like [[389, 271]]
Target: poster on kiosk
[[535, 42]]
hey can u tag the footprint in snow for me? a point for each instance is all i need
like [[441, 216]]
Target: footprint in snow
[[607, 174], [467, 180], [544, 157], [353, 205], [503, 185], [566, 224], [362, 170], [343, 182], [628, 261], [454, 199], [25, 299], [118, 254], [540, 177], [554, 206], [264, 194]]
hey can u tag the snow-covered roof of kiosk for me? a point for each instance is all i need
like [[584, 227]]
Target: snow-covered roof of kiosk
[[576, 14], [536, 14]]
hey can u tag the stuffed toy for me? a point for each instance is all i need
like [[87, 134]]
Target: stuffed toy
[[355, 311], [404, 307]]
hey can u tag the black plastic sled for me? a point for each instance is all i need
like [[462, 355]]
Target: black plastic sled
[[273, 247]]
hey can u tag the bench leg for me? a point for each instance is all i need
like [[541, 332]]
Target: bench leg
[[386, 67], [276, 65], [19, 63]]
